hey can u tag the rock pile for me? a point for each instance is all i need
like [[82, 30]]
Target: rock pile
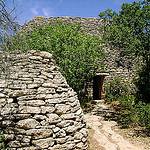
[[38, 110]]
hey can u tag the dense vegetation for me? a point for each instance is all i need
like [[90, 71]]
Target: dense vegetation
[[128, 31], [131, 113], [78, 54]]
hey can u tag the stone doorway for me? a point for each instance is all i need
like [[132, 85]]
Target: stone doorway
[[98, 86]]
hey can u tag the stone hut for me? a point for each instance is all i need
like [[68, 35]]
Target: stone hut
[[114, 66], [38, 110]]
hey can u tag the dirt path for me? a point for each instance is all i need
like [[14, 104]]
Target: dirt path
[[102, 136]]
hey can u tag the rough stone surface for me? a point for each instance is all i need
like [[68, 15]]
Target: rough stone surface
[[114, 64], [38, 109]]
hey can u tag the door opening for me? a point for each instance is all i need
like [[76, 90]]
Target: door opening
[[98, 91]]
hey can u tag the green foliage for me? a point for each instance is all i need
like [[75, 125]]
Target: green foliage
[[135, 114], [131, 112], [143, 85], [128, 31], [78, 54], [2, 141], [116, 88]]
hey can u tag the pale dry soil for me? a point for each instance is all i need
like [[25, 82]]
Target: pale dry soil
[[107, 135]]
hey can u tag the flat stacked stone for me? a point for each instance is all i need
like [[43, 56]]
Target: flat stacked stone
[[38, 109], [114, 64]]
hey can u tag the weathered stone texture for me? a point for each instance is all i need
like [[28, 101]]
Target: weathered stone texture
[[114, 64], [38, 109]]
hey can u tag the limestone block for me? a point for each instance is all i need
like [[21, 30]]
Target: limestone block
[[49, 75], [17, 86], [9, 109], [78, 136], [35, 103], [63, 100], [28, 124], [35, 58], [39, 133], [79, 112], [44, 123], [64, 123], [71, 93], [61, 108], [29, 110], [38, 80], [7, 123], [24, 144], [60, 89], [75, 108], [52, 101], [53, 118], [49, 85], [14, 144], [2, 102], [61, 133], [8, 117], [84, 131], [42, 77], [45, 54], [71, 146], [68, 116], [30, 91], [61, 140], [43, 143], [56, 129], [80, 145], [9, 100], [57, 95], [32, 86], [41, 96], [17, 93], [58, 146], [71, 99], [26, 139], [71, 129], [19, 137], [42, 90], [34, 71], [65, 85], [45, 61], [3, 83], [84, 140], [26, 80], [49, 96], [72, 104], [47, 109], [3, 95], [9, 136], [51, 69], [22, 116], [56, 81], [27, 148], [39, 117]]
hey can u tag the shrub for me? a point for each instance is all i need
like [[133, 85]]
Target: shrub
[[116, 88], [77, 54], [143, 85]]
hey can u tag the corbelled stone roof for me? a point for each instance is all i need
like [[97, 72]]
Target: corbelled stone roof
[[38, 109]]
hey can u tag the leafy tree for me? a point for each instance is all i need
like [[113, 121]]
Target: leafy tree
[[76, 53], [128, 31]]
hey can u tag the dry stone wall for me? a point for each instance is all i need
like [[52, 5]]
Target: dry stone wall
[[91, 25], [38, 110]]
